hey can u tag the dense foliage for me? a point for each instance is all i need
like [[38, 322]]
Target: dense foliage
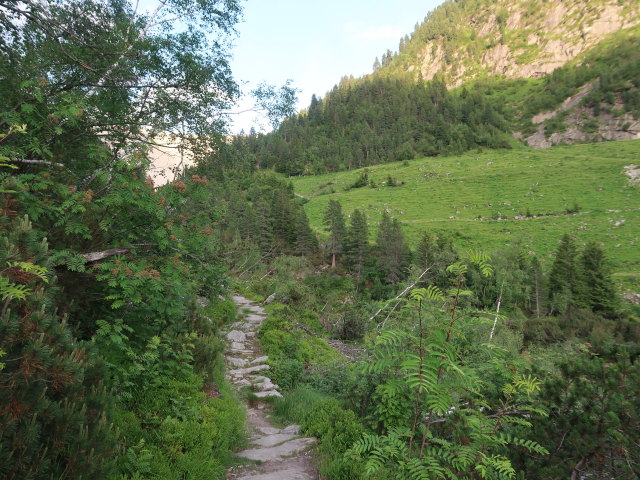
[[374, 120], [106, 354]]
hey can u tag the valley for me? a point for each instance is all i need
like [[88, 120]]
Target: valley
[[492, 199]]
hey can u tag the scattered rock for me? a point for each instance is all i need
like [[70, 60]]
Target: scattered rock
[[237, 362], [202, 302], [259, 360], [236, 336], [270, 299], [632, 297], [268, 393], [244, 371], [278, 452]]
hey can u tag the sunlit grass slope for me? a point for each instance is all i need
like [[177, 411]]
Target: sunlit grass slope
[[495, 198]]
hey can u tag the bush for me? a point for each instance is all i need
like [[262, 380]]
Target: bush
[[337, 430], [286, 372]]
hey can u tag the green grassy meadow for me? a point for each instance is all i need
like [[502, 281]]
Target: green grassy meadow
[[477, 197]]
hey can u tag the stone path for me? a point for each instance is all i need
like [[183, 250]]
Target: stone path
[[279, 454]]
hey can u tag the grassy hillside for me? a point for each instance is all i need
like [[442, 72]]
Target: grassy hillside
[[484, 198]]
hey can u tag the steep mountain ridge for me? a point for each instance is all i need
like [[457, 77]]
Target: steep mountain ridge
[[514, 38]]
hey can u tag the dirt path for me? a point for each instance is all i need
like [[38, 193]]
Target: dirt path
[[278, 454]]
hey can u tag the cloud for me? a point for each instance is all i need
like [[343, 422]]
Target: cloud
[[359, 31]]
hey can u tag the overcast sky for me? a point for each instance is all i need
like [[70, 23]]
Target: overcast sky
[[316, 43]]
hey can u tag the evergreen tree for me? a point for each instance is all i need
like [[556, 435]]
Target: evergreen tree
[[357, 242], [599, 293], [565, 284], [306, 241], [334, 223], [53, 404], [264, 235], [436, 253], [393, 252]]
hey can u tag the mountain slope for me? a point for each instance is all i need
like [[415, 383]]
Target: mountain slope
[[491, 199], [514, 38]]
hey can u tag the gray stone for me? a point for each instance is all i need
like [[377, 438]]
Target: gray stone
[[236, 336], [240, 351], [236, 362], [270, 299], [255, 318], [243, 382], [259, 360], [293, 429], [265, 386], [292, 473], [203, 302], [244, 371], [269, 430], [278, 452], [269, 393], [272, 440], [238, 346]]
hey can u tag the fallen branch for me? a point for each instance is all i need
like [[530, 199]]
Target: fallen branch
[[95, 256], [43, 162]]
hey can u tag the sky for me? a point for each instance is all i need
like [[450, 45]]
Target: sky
[[314, 44]]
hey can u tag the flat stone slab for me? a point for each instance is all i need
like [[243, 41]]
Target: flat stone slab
[[293, 429], [269, 430], [240, 351], [267, 394], [237, 362], [273, 440], [297, 468], [259, 360], [265, 386], [244, 371], [236, 336], [238, 346], [277, 452]]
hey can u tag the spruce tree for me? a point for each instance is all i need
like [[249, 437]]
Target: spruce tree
[[599, 293], [393, 252], [306, 241], [436, 253], [565, 284], [53, 405], [334, 223], [357, 242]]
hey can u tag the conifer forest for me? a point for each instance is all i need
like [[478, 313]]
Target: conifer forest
[[431, 272]]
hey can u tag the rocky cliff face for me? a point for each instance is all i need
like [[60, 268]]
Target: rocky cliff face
[[515, 38]]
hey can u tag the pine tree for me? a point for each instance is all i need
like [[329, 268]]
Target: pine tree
[[52, 401], [334, 222], [599, 293], [565, 284], [357, 242], [436, 253], [264, 233], [393, 252], [306, 241]]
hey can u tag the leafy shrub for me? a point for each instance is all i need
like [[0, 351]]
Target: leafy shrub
[[337, 430], [286, 372]]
